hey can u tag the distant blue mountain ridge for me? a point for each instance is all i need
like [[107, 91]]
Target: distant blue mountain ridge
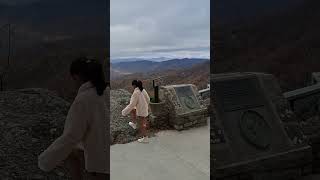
[[142, 65], [156, 59]]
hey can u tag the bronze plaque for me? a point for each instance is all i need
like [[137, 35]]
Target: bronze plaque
[[187, 98], [255, 129]]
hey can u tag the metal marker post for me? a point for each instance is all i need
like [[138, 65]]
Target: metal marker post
[[9, 51], [9, 44], [2, 75], [156, 92], [1, 88]]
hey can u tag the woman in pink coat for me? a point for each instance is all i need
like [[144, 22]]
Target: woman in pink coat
[[139, 109], [86, 130]]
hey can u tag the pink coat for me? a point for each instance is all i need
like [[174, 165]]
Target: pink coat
[[86, 126], [139, 101]]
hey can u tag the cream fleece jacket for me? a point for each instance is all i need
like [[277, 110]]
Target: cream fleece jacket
[[86, 126], [139, 101]]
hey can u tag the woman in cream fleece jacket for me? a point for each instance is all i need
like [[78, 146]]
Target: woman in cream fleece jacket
[[139, 108], [86, 126]]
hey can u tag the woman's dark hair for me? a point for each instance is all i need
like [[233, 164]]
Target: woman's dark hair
[[89, 70], [138, 84]]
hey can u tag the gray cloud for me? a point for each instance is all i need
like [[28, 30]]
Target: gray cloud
[[153, 28]]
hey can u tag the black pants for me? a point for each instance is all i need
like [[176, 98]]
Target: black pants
[[76, 165], [96, 176]]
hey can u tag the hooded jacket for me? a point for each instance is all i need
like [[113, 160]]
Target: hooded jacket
[[86, 126]]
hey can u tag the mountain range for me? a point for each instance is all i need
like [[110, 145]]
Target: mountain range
[[155, 59], [197, 74], [150, 66]]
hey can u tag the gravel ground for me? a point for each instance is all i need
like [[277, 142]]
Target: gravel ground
[[29, 121]]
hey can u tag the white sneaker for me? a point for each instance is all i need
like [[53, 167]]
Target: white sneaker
[[143, 140], [133, 125]]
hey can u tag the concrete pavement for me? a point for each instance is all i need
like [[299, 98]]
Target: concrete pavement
[[169, 155]]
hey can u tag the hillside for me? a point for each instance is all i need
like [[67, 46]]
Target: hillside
[[284, 44], [116, 74], [145, 66], [198, 74]]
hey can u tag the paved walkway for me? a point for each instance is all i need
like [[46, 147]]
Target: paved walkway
[[170, 155]]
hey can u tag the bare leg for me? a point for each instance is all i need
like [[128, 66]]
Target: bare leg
[[134, 116], [143, 126]]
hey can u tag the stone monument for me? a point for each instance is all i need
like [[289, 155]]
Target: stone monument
[[315, 78], [205, 93], [305, 102], [181, 106], [254, 135]]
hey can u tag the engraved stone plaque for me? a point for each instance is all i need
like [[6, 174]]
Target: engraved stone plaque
[[187, 98], [255, 129]]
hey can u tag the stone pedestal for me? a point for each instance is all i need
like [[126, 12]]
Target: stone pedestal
[[254, 134], [159, 117], [158, 109]]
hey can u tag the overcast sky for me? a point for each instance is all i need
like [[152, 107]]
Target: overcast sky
[[160, 28], [17, 2]]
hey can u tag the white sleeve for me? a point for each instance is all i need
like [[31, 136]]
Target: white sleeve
[[132, 105], [147, 96], [74, 130]]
